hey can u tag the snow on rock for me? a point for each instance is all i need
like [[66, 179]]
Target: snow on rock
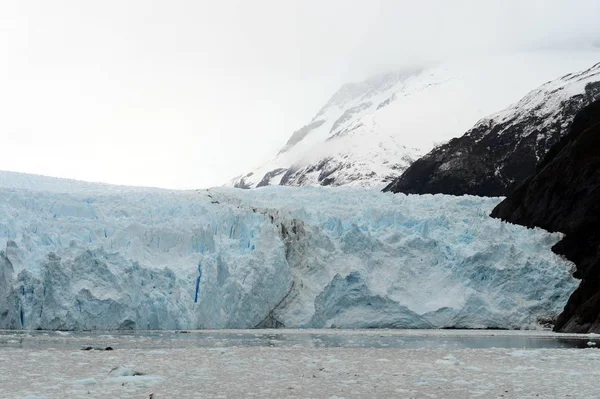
[[563, 195], [502, 150], [370, 132], [128, 258]]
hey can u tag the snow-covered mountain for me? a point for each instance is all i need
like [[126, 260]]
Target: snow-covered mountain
[[502, 150], [84, 256], [370, 132]]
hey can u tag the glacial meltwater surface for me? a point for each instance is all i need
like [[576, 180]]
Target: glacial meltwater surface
[[288, 338], [327, 363]]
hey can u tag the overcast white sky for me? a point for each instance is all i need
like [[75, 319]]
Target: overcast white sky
[[190, 93]]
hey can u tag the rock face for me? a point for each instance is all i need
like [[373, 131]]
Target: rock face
[[564, 195], [501, 151], [368, 133]]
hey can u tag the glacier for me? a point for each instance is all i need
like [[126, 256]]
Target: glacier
[[85, 256]]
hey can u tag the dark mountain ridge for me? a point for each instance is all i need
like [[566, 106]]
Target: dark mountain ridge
[[564, 195], [501, 151]]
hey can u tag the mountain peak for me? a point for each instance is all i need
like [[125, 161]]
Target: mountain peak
[[369, 132], [360, 90]]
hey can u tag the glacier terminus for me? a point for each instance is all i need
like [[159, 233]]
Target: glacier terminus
[[82, 256]]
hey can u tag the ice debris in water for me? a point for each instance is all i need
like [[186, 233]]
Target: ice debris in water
[[448, 360], [524, 353], [124, 371], [82, 256], [86, 381], [125, 374]]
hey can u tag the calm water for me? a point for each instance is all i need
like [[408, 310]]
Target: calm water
[[295, 338]]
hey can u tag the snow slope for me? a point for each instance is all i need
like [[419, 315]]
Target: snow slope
[[370, 132], [504, 149], [108, 257]]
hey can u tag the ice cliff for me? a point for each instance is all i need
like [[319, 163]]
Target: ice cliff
[[88, 256]]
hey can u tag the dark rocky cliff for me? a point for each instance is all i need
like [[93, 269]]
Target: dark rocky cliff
[[564, 195], [500, 152]]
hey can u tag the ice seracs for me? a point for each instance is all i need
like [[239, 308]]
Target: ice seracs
[[112, 257]]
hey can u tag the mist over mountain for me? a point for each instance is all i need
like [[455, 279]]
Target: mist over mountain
[[370, 132]]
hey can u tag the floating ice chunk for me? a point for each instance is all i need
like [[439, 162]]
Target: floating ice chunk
[[157, 352], [527, 368], [127, 374], [524, 353], [461, 382], [86, 381], [448, 360], [124, 371], [140, 380]]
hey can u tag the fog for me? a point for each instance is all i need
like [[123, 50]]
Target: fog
[[188, 94]]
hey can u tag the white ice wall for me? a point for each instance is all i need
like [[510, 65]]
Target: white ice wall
[[81, 256]]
